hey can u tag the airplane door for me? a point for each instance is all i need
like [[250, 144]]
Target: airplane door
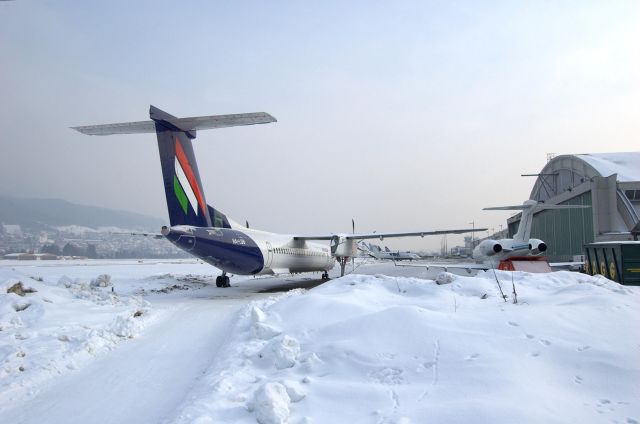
[[269, 257]]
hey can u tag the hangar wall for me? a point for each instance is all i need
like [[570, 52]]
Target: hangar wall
[[608, 182]]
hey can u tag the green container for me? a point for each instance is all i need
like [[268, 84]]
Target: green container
[[617, 260]]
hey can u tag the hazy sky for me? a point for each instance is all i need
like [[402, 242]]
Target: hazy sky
[[402, 115]]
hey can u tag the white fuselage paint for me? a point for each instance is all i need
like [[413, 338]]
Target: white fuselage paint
[[510, 248], [283, 254]]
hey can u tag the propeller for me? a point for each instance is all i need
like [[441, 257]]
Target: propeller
[[353, 231]]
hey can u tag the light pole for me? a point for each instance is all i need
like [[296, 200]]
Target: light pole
[[473, 227]]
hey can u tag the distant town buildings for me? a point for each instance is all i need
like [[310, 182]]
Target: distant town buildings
[[21, 243]]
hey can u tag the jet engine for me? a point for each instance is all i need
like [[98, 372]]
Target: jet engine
[[537, 246], [489, 248]]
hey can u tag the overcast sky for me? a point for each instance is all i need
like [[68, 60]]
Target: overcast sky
[[403, 115]]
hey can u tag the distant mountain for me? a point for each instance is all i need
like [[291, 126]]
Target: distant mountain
[[42, 213]]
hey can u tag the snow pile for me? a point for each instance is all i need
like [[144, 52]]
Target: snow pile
[[47, 329], [404, 350]]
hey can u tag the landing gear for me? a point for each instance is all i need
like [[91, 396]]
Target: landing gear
[[342, 260], [325, 276], [223, 280]]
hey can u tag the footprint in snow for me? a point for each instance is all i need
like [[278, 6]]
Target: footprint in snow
[[514, 324], [535, 354], [583, 348], [545, 342], [631, 421], [530, 336], [577, 379], [472, 357]]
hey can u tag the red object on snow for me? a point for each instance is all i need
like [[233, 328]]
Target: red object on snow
[[536, 264]]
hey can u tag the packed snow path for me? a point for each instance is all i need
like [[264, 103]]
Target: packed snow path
[[161, 364]]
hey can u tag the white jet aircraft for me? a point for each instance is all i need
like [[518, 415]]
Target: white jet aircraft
[[489, 253]]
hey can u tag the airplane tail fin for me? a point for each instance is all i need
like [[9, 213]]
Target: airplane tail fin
[[182, 186], [186, 201]]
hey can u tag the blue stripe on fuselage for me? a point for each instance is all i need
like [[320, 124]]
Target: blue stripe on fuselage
[[230, 250]]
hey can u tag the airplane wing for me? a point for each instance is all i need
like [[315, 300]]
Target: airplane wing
[[382, 236], [466, 266]]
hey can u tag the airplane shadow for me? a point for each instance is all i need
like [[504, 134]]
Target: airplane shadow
[[293, 284]]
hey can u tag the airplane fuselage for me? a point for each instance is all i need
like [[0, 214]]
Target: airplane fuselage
[[491, 252], [250, 252]]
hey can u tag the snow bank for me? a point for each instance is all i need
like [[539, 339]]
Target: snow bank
[[404, 350], [58, 327]]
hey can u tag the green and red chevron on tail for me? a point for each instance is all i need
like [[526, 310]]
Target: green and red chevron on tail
[[185, 184]]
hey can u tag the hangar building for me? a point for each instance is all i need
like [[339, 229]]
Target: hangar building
[[608, 182]]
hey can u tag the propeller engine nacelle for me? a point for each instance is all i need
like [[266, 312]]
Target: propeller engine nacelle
[[343, 247], [537, 246], [489, 248]]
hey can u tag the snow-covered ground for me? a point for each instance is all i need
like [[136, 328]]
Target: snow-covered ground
[[166, 345]]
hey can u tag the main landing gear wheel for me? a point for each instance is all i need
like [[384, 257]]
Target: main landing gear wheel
[[325, 276], [222, 281]]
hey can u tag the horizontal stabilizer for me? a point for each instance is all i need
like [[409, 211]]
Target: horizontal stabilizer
[[184, 124], [507, 208], [154, 235], [139, 127]]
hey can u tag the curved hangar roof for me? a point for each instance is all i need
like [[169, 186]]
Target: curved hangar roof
[[626, 165], [567, 171]]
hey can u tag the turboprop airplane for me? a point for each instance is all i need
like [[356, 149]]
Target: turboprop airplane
[[376, 252], [489, 253], [207, 233]]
